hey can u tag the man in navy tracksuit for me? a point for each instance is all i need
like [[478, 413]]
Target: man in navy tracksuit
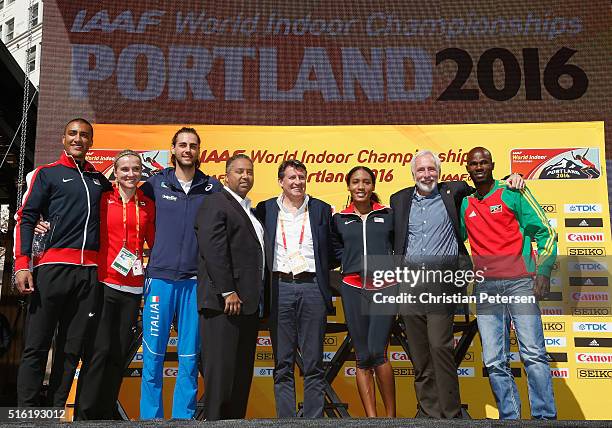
[[61, 281], [171, 277]]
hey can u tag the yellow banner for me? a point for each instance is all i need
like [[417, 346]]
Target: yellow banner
[[565, 167]]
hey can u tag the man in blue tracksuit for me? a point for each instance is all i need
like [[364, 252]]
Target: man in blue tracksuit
[[171, 278]]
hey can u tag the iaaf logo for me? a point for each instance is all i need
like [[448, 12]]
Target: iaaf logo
[[170, 371], [264, 341], [587, 266], [584, 237], [590, 358], [555, 342], [557, 373], [465, 371], [263, 371], [593, 296], [398, 356], [551, 310], [582, 208], [593, 326], [350, 371]]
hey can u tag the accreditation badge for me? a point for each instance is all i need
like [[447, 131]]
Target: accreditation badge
[[124, 261], [137, 268], [297, 262]]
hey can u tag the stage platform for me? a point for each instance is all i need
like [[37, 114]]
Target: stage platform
[[306, 423]]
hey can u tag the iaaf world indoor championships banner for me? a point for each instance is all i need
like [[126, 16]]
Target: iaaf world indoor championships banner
[[341, 83]]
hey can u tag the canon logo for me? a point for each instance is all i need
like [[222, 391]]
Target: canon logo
[[595, 296], [593, 358], [398, 356], [559, 373], [264, 341], [170, 371], [551, 310], [584, 237], [350, 371]]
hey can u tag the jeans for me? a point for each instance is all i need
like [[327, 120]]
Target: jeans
[[494, 326]]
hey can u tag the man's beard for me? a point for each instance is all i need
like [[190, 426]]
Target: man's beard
[[426, 188]]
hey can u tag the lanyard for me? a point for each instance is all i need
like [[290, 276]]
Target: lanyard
[[125, 235], [282, 224]]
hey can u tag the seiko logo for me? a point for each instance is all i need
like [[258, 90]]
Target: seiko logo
[[582, 208], [593, 296], [549, 208], [403, 371], [593, 326], [553, 326], [592, 252], [330, 341], [595, 373], [170, 198], [584, 237], [593, 312], [591, 358], [264, 356]]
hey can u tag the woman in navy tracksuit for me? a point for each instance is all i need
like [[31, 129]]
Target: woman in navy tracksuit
[[365, 228]]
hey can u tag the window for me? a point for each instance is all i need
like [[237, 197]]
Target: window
[[34, 15], [10, 28], [31, 59]]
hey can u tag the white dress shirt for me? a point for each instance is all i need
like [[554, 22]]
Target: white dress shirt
[[292, 223]]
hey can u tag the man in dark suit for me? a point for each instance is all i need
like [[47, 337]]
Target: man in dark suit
[[427, 238], [230, 290], [297, 252]]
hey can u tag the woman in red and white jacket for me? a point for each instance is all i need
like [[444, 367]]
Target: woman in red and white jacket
[[127, 220], [365, 229]]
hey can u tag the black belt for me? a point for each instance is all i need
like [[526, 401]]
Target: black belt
[[289, 277]]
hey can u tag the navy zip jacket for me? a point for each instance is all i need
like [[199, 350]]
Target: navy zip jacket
[[69, 198], [175, 253], [363, 247]]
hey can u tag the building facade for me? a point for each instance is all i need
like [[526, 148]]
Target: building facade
[[19, 19]]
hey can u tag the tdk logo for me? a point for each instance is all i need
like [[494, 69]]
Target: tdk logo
[[582, 208], [593, 326], [587, 266], [263, 371], [555, 342], [169, 197], [465, 371]]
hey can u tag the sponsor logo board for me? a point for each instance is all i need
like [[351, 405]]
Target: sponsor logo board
[[584, 222], [597, 327], [587, 266], [588, 281], [590, 296], [593, 342], [598, 373], [581, 208], [586, 251], [584, 237], [593, 312], [593, 358]]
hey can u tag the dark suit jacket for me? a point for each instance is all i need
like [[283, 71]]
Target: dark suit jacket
[[230, 256], [320, 216], [452, 193]]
